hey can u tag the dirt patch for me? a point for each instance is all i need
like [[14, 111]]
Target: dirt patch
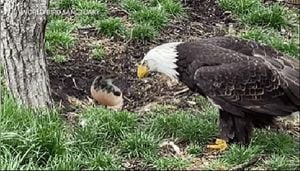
[[74, 77]]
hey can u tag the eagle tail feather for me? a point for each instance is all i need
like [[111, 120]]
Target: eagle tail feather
[[235, 129]]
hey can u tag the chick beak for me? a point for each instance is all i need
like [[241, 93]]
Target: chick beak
[[142, 71]]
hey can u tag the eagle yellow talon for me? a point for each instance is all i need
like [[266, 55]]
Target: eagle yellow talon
[[220, 145]]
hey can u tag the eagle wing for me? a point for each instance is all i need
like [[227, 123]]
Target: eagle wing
[[252, 48], [239, 83], [246, 47]]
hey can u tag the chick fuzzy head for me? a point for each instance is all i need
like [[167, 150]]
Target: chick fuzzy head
[[104, 92]]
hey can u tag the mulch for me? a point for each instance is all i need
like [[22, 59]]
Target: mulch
[[74, 77]]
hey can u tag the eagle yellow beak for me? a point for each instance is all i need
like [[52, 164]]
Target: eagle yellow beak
[[142, 71]]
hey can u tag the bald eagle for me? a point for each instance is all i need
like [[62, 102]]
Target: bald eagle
[[249, 82]]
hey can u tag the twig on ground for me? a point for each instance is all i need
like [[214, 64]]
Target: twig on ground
[[87, 28], [126, 98], [246, 164], [181, 91], [74, 82]]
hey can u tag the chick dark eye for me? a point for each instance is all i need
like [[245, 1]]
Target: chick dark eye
[[117, 93], [99, 77]]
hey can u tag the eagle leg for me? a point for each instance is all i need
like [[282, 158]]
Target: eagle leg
[[235, 129]]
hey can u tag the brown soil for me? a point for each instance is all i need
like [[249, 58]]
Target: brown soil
[[74, 77]]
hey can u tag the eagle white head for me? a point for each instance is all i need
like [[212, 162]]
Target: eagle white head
[[161, 59]]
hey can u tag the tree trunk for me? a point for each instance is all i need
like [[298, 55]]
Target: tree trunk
[[22, 30]]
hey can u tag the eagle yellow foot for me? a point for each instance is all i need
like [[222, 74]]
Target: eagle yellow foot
[[220, 145]]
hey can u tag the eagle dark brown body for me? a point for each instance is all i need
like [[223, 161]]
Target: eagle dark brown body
[[251, 83]]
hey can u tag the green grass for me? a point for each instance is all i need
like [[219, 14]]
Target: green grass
[[276, 143], [184, 125], [234, 156], [89, 11], [172, 7], [59, 58], [171, 163], [195, 149], [139, 144], [111, 27], [274, 16], [274, 39], [92, 159], [132, 5], [103, 126], [40, 139], [60, 25], [150, 17], [253, 12], [104, 139], [98, 52], [281, 162], [266, 23], [146, 19], [56, 40], [154, 16], [239, 7], [58, 35], [65, 4], [279, 151], [30, 136], [142, 32]]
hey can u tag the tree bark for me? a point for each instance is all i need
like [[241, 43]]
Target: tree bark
[[22, 36]]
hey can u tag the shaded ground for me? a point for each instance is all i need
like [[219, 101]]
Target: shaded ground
[[74, 77]]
